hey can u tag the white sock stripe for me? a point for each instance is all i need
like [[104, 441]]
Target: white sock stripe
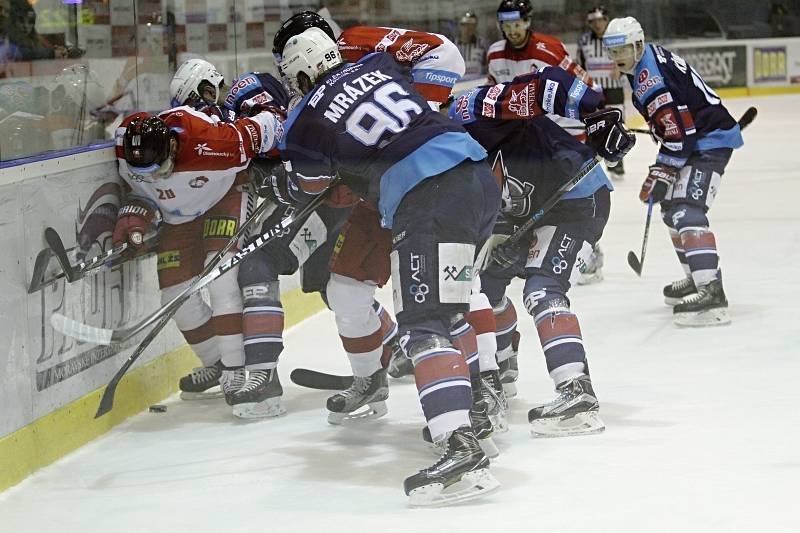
[[472, 358], [263, 309], [507, 330], [701, 251], [560, 341], [453, 382], [552, 311], [456, 332], [434, 351], [260, 340], [703, 229]]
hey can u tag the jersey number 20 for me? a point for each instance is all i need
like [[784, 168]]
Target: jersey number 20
[[371, 120]]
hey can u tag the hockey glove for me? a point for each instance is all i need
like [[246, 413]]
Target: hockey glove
[[509, 254], [270, 180], [657, 183], [607, 134], [134, 219]]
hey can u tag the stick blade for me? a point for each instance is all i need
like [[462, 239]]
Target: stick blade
[[107, 401], [77, 330], [635, 264], [319, 380], [39, 269], [748, 117]]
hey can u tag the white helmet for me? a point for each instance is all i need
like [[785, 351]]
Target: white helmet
[[185, 85], [311, 52], [624, 39]]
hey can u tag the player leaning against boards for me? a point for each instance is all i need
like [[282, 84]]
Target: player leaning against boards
[[697, 137]]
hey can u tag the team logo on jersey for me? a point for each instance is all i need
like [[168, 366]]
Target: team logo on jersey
[[643, 75], [198, 182], [410, 51], [668, 124], [516, 195], [205, 150], [523, 102]]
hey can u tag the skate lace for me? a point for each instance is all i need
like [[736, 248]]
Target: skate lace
[[255, 380], [203, 373], [232, 380], [360, 386], [695, 297], [681, 285]]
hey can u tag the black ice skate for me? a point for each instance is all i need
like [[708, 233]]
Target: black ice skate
[[617, 171], [260, 396], [495, 398], [364, 400], [708, 307], [461, 473], [232, 380], [399, 364], [574, 412], [509, 371], [201, 383], [675, 292]]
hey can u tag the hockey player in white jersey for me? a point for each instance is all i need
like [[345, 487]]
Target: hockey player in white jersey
[[186, 173]]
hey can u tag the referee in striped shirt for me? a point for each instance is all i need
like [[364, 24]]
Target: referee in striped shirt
[[593, 58]]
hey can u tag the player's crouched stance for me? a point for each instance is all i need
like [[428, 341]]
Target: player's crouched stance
[[191, 169], [366, 122], [697, 137]]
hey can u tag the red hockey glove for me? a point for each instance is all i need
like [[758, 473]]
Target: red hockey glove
[[133, 221], [657, 183]]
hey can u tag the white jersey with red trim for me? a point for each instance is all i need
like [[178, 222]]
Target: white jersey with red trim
[[435, 61], [210, 155]]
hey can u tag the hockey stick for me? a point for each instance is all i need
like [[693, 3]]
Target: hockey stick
[[107, 401], [74, 273], [636, 263], [556, 197], [319, 380], [747, 117], [39, 269], [86, 333]]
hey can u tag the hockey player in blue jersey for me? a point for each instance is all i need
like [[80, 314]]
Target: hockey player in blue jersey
[[365, 123], [697, 136], [532, 158]]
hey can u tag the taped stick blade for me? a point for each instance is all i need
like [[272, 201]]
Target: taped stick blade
[[77, 330]]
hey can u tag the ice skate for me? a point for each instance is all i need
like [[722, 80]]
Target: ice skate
[[364, 400], [574, 412], [708, 307], [260, 396], [592, 269], [461, 473], [232, 380], [481, 425], [495, 398], [617, 171], [675, 292], [509, 371], [202, 383], [400, 365]]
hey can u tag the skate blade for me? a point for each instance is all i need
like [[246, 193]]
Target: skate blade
[[562, 426], [489, 448], [205, 395], [672, 302], [499, 423], [701, 319], [510, 390], [367, 412], [269, 408], [471, 485]]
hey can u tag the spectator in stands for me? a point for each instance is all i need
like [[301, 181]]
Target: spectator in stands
[[30, 45], [8, 51]]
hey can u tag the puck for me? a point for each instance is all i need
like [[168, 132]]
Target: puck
[[158, 408]]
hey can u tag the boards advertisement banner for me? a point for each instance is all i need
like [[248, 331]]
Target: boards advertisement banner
[[719, 66]]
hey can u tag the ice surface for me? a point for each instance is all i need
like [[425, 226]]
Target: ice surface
[[703, 432]]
